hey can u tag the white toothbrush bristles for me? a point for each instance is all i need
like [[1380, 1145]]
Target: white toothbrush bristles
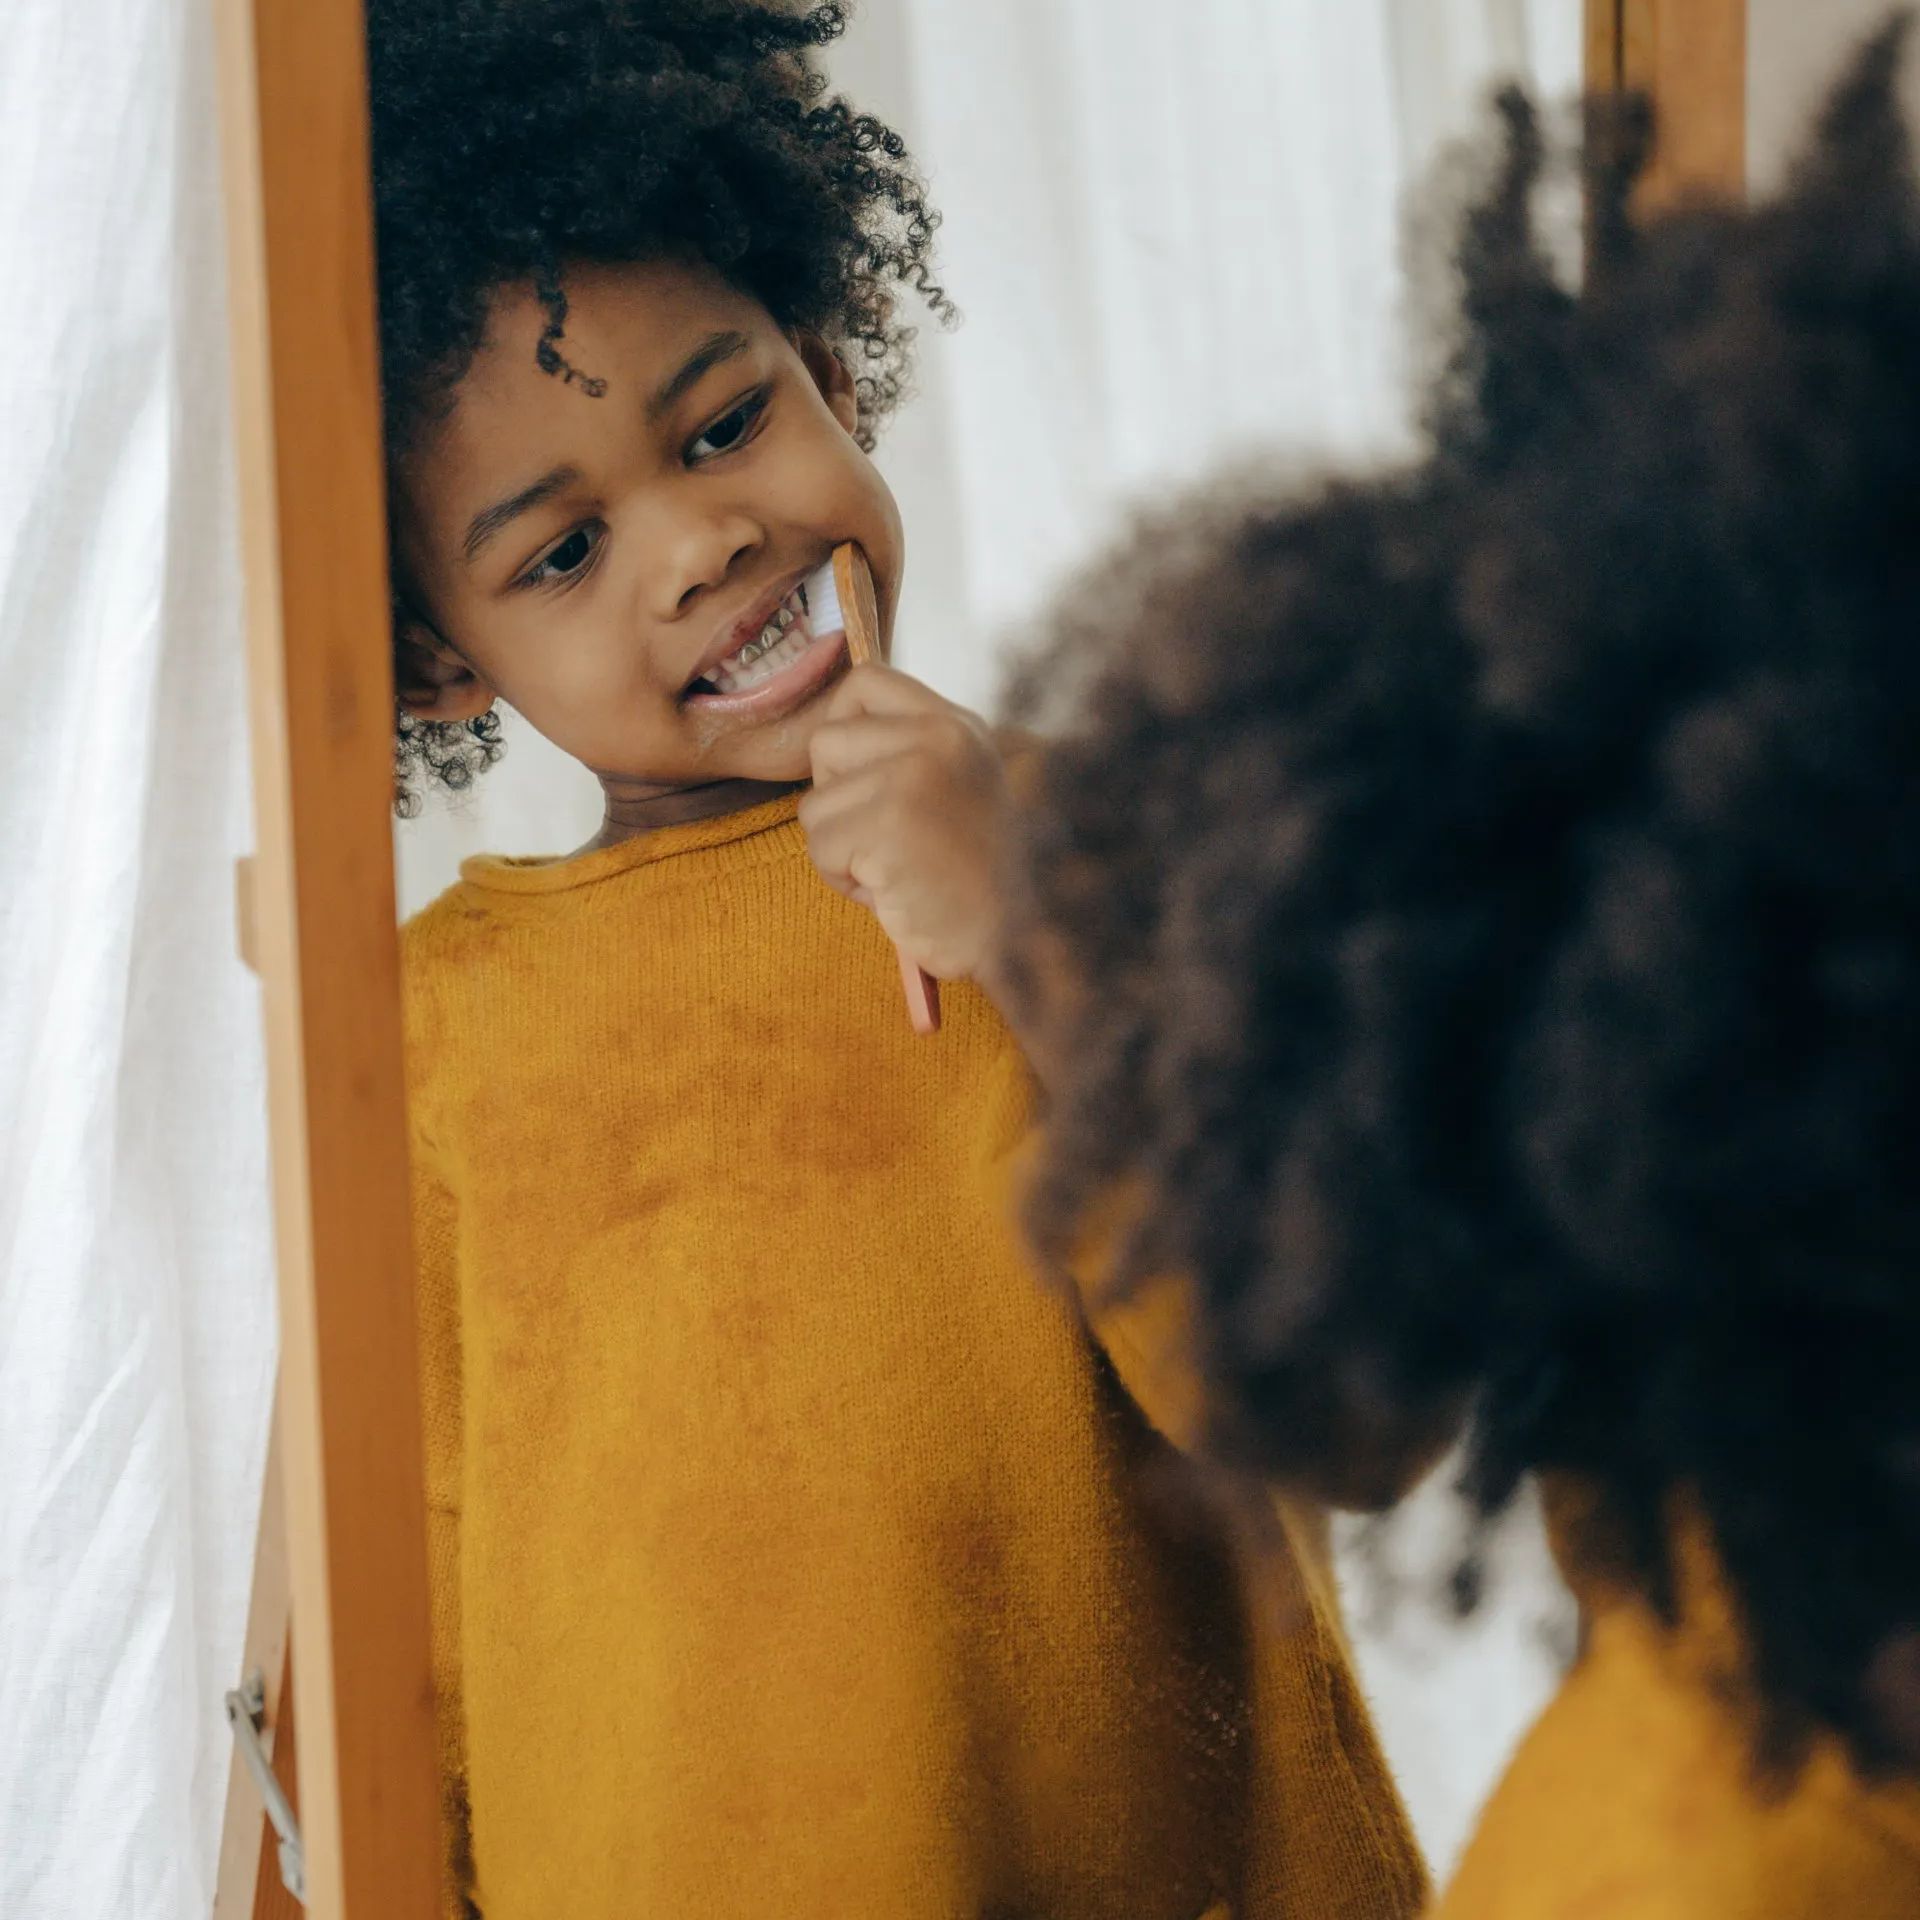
[[824, 612]]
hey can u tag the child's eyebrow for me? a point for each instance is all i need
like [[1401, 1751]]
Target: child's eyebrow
[[491, 521], [714, 351]]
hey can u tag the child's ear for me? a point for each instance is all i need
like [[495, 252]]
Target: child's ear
[[433, 682], [829, 375]]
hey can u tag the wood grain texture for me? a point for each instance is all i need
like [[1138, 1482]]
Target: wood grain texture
[[294, 111], [853, 580], [1605, 38], [271, 1900], [1690, 58], [241, 1888]]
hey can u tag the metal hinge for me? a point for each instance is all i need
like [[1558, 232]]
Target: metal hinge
[[247, 1715]]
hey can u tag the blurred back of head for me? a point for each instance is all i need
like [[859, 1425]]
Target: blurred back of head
[[1493, 898]]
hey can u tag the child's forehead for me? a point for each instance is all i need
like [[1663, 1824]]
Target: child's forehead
[[629, 329], [630, 322]]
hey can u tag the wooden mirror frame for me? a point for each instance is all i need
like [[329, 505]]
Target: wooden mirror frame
[[1690, 58], [342, 1544]]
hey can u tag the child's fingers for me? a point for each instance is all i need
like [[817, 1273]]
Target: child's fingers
[[877, 689], [840, 747], [844, 827], [946, 741]]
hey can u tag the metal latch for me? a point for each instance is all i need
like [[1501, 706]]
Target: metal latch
[[247, 1715]]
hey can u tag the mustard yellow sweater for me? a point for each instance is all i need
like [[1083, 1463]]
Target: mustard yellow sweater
[[796, 1554], [1634, 1797]]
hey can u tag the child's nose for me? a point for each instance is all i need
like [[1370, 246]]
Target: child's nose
[[707, 553]]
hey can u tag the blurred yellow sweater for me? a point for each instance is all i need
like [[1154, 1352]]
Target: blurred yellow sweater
[[795, 1553], [1634, 1797]]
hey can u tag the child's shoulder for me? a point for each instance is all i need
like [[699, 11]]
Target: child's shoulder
[[443, 946], [465, 986], [457, 920]]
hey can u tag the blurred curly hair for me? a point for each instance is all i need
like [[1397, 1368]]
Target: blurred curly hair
[[1491, 895], [512, 138]]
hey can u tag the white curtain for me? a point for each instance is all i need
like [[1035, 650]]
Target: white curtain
[[136, 1316]]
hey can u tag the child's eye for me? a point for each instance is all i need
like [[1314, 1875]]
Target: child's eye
[[566, 561], [733, 430]]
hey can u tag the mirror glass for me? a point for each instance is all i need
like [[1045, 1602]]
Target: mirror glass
[[1176, 240]]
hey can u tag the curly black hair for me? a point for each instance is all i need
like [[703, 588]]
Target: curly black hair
[[1491, 901], [512, 138]]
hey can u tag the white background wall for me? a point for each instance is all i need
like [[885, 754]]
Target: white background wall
[[1794, 49]]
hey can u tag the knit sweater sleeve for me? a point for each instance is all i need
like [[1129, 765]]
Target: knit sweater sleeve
[[1151, 1335]]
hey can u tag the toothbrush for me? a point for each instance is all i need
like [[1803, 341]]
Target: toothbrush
[[840, 600]]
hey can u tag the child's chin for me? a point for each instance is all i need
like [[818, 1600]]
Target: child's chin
[[771, 746], [776, 753]]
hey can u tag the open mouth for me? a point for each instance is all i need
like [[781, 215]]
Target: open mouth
[[786, 657]]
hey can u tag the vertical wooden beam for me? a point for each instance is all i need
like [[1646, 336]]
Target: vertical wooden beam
[[307, 416], [248, 1872], [1606, 46], [270, 1899], [1690, 58]]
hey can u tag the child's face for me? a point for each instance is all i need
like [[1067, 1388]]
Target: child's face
[[599, 563]]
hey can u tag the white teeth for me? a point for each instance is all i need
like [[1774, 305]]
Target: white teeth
[[780, 643]]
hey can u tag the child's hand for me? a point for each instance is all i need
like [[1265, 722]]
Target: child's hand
[[908, 815]]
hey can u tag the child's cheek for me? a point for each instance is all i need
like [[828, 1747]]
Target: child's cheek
[[832, 490], [874, 517], [598, 702]]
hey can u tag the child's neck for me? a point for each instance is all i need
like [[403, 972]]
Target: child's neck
[[632, 809]]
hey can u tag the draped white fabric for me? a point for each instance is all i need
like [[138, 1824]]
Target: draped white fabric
[[136, 1312], [1173, 231]]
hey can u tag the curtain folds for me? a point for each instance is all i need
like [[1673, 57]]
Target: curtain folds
[[136, 1298]]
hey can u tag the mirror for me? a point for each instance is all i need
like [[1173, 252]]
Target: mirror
[[1178, 240]]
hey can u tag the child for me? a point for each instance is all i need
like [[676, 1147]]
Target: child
[[794, 1552], [1492, 901]]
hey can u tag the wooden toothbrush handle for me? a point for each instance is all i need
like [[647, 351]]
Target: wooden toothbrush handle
[[853, 579], [923, 997]]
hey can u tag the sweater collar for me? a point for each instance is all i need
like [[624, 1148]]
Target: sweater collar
[[499, 874]]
